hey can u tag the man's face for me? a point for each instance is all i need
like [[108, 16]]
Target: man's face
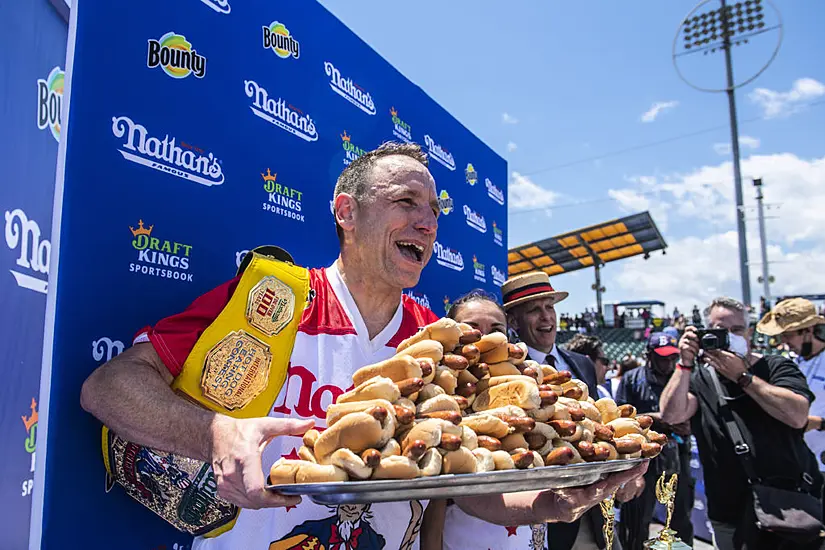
[[663, 365], [601, 363], [796, 338], [395, 226], [733, 321], [535, 322]]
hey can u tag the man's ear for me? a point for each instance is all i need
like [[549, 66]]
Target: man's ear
[[346, 208], [512, 322]]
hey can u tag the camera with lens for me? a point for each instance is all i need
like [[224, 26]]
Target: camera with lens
[[713, 338]]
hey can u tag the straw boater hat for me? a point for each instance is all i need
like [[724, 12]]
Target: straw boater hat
[[530, 286], [789, 315]]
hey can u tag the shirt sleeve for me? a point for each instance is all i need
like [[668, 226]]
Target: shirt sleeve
[[174, 337], [784, 373]]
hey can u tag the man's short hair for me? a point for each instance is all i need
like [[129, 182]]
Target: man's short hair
[[726, 302], [586, 345], [354, 180]]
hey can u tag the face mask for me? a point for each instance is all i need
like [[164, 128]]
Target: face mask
[[807, 347], [738, 345]]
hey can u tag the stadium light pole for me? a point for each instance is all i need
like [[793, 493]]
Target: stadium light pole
[[720, 30]]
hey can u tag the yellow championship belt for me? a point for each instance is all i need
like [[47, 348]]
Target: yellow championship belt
[[237, 368]]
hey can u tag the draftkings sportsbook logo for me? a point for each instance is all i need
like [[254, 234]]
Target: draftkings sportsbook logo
[[351, 150], [278, 39], [419, 297], [401, 129], [475, 220], [448, 257], [165, 155], [175, 55], [280, 113], [282, 200], [50, 102], [23, 233], [159, 258], [445, 203], [498, 235], [479, 273], [349, 90], [498, 276], [494, 192], [470, 174], [30, 423], [438, 153], [220, 6]]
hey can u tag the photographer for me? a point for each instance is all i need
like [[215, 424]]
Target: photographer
[[727, 390]]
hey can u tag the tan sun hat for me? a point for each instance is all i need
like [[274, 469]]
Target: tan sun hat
[[530, 286], [789, 315]]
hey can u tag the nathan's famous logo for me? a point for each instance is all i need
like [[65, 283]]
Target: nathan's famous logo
[[278, 39], [185, 161], [439, 153], [419, 297], [23, 233], [498, 235], [349, 90], [448, 257], [494, 192], [470, 174], [50, 102], [475, 220], [283, 200], [352, 151], [479, 274], [220, 6], [280, 113], [30, 423], [498, 276], [401, 129], [445, 203], [159, 257], [104, 349], [175, 55]]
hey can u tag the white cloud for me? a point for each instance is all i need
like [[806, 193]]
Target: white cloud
[[525, 193], [657, 108], [745, 142], [631, 201], [511, 147], [776, 104], [507, 118]]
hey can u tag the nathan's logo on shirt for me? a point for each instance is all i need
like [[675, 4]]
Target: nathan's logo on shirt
[[30, 424], [104, 349], [445, 203], [184, 161], [157, 257], [447, 257], [280, 113], [349, 90], [401, 129], [470, 174], [282, 199], [498, 276], [498, 235], [50, 102], [479, 273], [494, 192], [352, 151], [24, 234], [475, 220], [278, 39], [220, 6], [175, 56], [439, 153], [419, 297]]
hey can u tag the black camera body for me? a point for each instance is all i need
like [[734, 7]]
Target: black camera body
[[713, 338]]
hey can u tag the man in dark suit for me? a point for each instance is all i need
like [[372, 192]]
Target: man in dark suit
[[529, 301]]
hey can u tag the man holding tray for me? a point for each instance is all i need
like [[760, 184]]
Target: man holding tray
[[157, 393]]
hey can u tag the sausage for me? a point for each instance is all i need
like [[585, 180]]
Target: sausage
[[548, 397], [470, 337], [403, 415], [515, 351], [378, 413], [522, 459], [586, 450], [454, 361], [558, 378], [463, 403], [479, 370], [602, 432], [410, 386], [559, 456], [471, 353], [427, 366], [415, 450], [627, 411], [601, 453], [573, 393], [576, 413], [466, 390], [565, 428], [371, 457], [644, 421], [545, 387], [450, 442], [521, 424], [530, 371], [488, 442], [449, 416], [649, 450], [656, 437], [627, 446], [535, 441]]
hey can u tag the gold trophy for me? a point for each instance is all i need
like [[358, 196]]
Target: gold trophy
[[609, 515], [666, 494]]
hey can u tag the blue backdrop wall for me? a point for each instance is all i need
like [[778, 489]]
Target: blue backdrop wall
[[193, 131]]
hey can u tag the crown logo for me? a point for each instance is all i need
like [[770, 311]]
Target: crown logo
[[475, 260], [393, 112], [29, 421], [269, 176], [141, 230], [494, 224], [344, 136]]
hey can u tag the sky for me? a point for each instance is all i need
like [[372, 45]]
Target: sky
[[583, 101]]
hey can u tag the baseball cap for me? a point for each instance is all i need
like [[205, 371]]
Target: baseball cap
[[662, 344]]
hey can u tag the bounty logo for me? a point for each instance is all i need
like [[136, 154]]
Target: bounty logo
[[278, 39], [401, 129], [159, 258], [30, 424], [498, 276], [470, 174], [175, 56], [419, 297], [283, 200], [498, 235], [494, 192], [220, 6], [23, 233], [280, 113], [445, 203], [50, 102], [184, 161], [349, 90], [475, 220], [447, 257], [437, 152], [478, 271], [352, 151]]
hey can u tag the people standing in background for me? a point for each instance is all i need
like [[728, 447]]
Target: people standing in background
[[593, 348]]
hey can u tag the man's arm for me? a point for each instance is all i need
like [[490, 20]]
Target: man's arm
[[814, 422], [677, 404]]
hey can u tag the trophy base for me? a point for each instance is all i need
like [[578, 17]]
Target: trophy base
[[667, 540]]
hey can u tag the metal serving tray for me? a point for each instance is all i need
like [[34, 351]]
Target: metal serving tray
[[460, 485]]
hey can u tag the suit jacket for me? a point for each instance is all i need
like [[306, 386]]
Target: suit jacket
[[582, 368]]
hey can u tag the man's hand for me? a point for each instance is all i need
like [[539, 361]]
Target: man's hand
[[728, 364], [631, 490], [237, 445], [688, 346], [814, 422]]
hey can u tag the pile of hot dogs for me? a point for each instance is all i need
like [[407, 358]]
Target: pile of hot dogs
[[453, 402]]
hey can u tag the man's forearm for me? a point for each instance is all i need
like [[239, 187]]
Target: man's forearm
[[507, 509], [673, 403], [781, 403]]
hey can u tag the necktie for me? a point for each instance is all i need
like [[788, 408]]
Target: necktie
[[550, 360]]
